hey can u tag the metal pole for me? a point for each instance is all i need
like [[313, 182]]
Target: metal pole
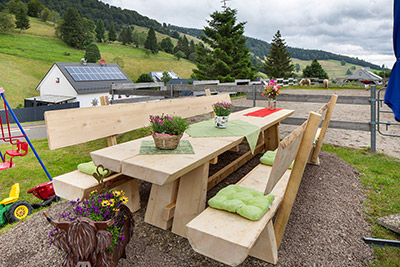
[[172, 91], [373, 118], [254, 95], [26, 137]]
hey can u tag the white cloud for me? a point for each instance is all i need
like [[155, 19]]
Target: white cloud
[[361, 28]]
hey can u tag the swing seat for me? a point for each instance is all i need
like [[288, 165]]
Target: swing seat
[[21, 150]]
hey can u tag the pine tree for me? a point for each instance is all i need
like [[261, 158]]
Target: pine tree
[[21, 18], [92, 53], [167, 45], [34, 8], [151, 41], [72, 29], [112, 34], [315, 70], [278, 63], [228, 59], [125, 36], [100, 31]]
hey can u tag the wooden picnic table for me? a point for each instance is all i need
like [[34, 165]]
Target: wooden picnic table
[[179, 181]]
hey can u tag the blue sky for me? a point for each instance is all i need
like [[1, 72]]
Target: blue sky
[[358, 28]]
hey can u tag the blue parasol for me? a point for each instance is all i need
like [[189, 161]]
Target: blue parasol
[[392, 95]]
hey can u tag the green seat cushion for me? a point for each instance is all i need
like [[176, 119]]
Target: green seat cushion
[[249, 203], [269, 157], [90, 168]]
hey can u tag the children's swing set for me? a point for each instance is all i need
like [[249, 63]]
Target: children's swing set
[[12, 210]]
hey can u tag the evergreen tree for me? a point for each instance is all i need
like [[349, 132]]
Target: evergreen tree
[[21, 18], [228, 59], [125, 36], [13, 6], [151, 41], [144, 78], [112, 34], [167, 45], [6, 21], [92, 54], [34, 8], [72, 29], [165, 77], [45, 14], [100, 31], [315, 70], [278, 63], [183, 45]]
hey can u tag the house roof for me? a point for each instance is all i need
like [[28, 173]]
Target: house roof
[[99, 85], [364, 74], [157, 75]]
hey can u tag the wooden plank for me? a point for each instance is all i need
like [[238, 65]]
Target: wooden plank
[[218, 88], [191, 199], [346, 125], [214, 160], [272, 137], [149, 93], [169, 211], [235, 149], [265, 247], [296, 176], [217, 177], [160, 196], [321, 135], [103, 121], [134, 86], [343, 99]]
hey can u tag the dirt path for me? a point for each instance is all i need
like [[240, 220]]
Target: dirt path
[[343, 112]]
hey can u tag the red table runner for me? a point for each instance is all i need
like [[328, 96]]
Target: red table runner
[[262, 112]]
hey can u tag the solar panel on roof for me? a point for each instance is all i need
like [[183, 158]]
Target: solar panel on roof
[[95, 73]]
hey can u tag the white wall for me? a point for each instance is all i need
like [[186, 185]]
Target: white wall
[[49, 85], [86, 100]]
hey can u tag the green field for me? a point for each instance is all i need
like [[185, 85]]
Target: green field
[[26, 58]]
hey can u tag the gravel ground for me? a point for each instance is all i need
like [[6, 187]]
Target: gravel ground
[[325, 228]]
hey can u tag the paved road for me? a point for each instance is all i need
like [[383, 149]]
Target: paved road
[[33, 130]]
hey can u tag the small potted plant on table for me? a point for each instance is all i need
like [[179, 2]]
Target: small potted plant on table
[[222, 111], [96, 231], [167, 130]]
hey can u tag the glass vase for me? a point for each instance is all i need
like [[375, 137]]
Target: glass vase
[[271, 104]]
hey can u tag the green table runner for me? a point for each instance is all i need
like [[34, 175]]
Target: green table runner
[[235, 128], [148, 148]]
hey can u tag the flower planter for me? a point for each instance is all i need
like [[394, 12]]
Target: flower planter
[[221, 121], [86, 242], [166, 141]]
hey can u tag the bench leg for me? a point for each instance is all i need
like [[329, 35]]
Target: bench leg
[[131, 190], [191, 199], [160, 197], [265, 247], [271, 136], [314, 156]]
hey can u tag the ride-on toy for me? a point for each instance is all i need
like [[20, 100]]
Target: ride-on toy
[[12, 210]]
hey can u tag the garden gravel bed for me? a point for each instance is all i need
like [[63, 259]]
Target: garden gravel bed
[[325, 228]]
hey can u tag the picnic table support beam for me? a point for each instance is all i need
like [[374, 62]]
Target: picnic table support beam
[[271, 136], [191, 198]]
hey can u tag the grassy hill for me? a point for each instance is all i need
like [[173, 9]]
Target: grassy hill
[[333, 67], [27, 57]]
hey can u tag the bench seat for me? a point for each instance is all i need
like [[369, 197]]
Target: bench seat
[[76, 184], [218, 242]]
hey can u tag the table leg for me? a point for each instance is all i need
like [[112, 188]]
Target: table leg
[[191, 199], [160, 197], [271, 136], [131, 190]]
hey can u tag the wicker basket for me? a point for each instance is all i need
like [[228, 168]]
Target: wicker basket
[[166, 142]]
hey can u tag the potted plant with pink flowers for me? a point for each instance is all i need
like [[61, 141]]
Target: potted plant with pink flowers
[[167, 130], [222, 111]]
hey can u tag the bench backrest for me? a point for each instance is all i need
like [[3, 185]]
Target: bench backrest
[[80, 125], [293, 147], [327, 109]]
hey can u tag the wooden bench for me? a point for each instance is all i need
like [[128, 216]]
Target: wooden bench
[[76, 126], [326, 112], [230, 238]]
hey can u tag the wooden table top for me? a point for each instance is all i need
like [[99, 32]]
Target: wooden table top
[[162, 169]]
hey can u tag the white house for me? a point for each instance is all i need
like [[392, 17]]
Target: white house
[[84, 81], [157, 75]]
